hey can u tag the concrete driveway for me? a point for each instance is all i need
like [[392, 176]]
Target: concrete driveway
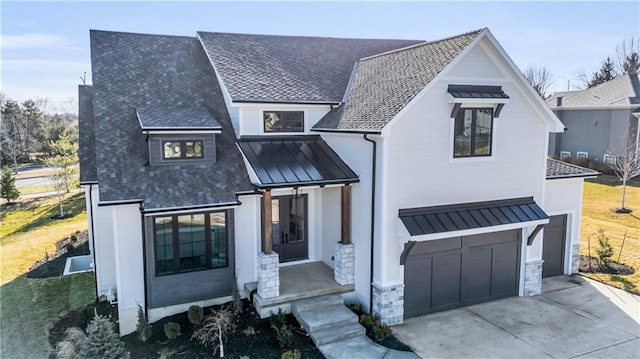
[[573, 318]]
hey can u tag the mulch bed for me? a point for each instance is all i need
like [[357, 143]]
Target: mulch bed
[[261, 344], [72, 245], [609, 268]]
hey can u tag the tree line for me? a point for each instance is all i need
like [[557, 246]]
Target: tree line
[[625, 60], [28, 134]]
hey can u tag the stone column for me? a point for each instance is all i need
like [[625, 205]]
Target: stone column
[[388, 303], [533, 278], [344, 264], [575, 258], [268, 275]]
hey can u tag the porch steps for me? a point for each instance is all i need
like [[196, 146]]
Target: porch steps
[[326, 319]]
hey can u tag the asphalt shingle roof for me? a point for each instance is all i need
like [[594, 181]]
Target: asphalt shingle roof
[[269, 68], [87, 140], [623, 91], [133, 71], [163, 117], [561, 169], [382, 85]]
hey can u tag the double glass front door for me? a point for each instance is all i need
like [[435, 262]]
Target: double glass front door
[[289, 227]]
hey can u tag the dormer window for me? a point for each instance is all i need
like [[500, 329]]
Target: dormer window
[[283, 121], [182, 149]]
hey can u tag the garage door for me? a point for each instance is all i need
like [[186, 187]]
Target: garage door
[[454, 272], [553, 245]]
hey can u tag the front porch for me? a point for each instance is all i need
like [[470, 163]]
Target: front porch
[[298, 282]]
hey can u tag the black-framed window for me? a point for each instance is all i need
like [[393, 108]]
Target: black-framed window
[[283, 121], [473, 132], [182, 149], [191, 242]]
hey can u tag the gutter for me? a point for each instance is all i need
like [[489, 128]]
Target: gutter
[[374, 158], [93, 240], [144, 260]]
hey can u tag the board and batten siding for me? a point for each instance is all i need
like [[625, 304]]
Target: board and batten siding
[[420, 168], [127, 230], [252, 118], [156, 150], [180, 288]]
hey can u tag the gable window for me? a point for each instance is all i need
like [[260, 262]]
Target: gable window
[[182, 149], [473, 131], [191, 242], [283, 121]]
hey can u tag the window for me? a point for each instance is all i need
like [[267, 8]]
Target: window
[[283, 121], [191, 242], [565, 154], [472, 133], [584, 155], [609, 160], [182, 149]]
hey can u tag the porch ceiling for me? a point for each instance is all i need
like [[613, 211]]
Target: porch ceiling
[[464, 216], [292, 161]]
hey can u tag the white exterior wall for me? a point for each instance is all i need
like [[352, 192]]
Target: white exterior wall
[[252, 121], [564, 196], [247, 235], [104, 246], [421, 170], [127, 230], [356, 152]]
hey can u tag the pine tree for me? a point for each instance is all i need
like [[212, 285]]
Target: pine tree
[[8, 188], [606, 73], [102, 341]]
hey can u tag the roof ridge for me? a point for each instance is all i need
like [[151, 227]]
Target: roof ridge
[[91, 31], [424, 43], [302, 36]]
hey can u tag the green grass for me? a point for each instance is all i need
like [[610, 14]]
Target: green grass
[[28, 232], [36, 189], [601, 198], [29, 307]]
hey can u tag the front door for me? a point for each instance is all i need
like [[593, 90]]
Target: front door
[[289, 227]]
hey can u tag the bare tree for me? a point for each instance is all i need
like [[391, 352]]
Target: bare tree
[[626, 167], [540, 78], [10, 143], [628, 56]]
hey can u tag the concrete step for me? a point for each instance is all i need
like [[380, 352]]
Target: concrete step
[[316, 302], [335, 316], [330, 335]]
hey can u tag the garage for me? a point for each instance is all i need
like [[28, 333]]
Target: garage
[[454, 272], [553, 246]]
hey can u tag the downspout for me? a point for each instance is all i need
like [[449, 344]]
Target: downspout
[[93, 240], [373, 211], [144, 259]]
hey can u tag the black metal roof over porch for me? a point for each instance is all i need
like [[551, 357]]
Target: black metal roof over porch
[[458, 217], [293, 161]]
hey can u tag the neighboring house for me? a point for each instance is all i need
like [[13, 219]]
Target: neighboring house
[[601, 122], [411, 176]]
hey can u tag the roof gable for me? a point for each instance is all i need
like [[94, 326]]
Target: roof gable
[[269, 68], [621, 92], [383, 85]]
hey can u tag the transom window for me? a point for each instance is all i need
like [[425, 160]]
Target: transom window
[[473, 132], [191, 242], [283, 121], [182, 149]]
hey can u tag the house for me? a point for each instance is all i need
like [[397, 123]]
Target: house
[[411, 176], [601, 122]]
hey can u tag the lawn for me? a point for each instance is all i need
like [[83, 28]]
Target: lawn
[[601, 198], [29, 307]]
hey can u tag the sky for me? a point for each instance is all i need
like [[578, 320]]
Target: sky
[[44, 46]]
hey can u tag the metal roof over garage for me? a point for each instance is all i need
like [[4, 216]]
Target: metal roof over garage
[[458, 217], [292, 161]]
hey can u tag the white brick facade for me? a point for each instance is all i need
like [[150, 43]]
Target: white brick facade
[[268, 275], [533, 278], [344, 266], [388, 303]]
